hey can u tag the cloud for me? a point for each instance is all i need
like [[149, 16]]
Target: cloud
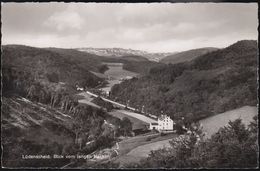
[[154, 27], [65, 20]]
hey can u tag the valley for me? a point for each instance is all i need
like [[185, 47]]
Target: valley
[[108, 118], [115, 74], [135, 86]]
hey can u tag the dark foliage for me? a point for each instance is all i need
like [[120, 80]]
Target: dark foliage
[[103, 68], [213, 83], [46, 65], [233, 146], [142, 67], [108, 106]]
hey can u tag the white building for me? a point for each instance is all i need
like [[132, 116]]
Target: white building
[[165, 123]]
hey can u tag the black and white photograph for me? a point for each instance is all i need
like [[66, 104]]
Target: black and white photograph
[[129, 85]]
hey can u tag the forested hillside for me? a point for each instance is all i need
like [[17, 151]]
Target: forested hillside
[[40, 111], [48, 66], [186, 55], [213, 83], [134, 63], [134, 58], [141, 67], [33, 128]]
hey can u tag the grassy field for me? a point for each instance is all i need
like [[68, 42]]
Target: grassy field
[[136, 148], [144, 150], [212, 124], [117, 72]]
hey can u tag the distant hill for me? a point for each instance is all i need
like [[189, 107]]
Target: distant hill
[[134, 58], [119, 52], [51, 65], [141, 67], [186, 55], [134, 63], [213, 83]]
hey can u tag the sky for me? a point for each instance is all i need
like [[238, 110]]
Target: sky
[[153, 27]]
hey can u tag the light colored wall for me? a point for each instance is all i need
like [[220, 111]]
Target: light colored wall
[[166, 124], [151, 126]]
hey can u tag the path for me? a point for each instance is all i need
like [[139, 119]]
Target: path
[[87, 100]]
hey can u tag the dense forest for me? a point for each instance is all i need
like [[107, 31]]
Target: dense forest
[[141, 67], [39, 120], [210, 84], [33, 128], [48, 66], [41, 113]]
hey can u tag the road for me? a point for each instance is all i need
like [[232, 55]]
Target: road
[[133, 114], [138, 116], [87, 100], [105, 99]]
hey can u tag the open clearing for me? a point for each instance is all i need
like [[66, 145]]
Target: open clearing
[[136, 148], [144, 150], [212, 124], [115, 73]]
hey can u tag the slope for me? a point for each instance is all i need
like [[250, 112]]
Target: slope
[[210, 84], [212, 124], [119, 52], [186, 55], [49, 66], [30, 128]]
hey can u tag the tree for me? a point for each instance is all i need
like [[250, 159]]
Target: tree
[[233, 146], [102, 68], [126, 126], [230, 147], [31, 92]]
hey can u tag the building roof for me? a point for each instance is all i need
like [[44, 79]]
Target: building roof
[[162, 117]]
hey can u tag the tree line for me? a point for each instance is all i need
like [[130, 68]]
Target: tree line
[[233, 146], [213, 83]]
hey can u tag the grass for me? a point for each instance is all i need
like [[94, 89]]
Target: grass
[[118, 72], [144, 150], [212, 124], [128, 148], [127, 145]]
